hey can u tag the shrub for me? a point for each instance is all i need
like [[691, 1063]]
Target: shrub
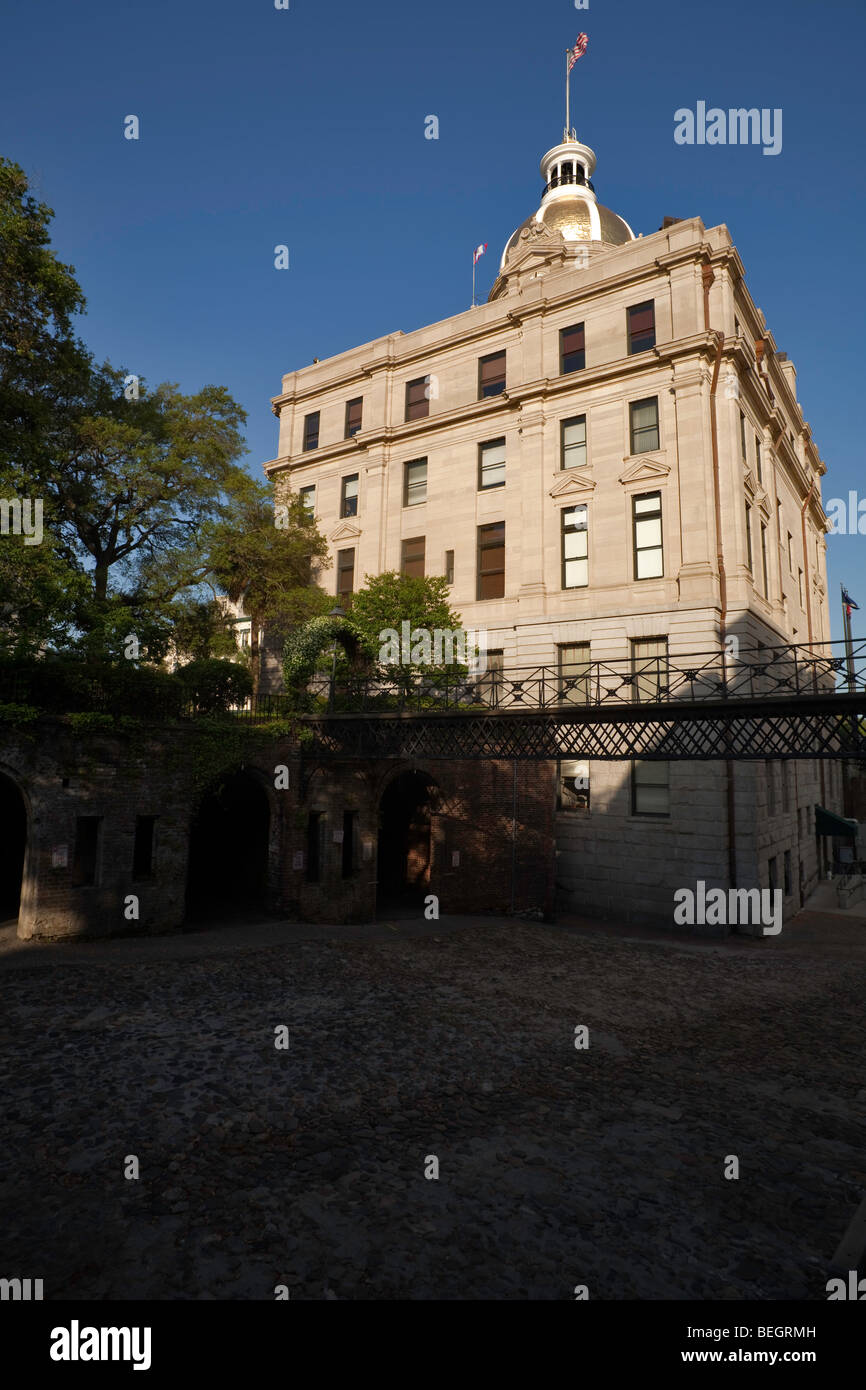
[[214, 685]]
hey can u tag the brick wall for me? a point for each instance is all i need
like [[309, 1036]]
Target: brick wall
[[490, 843]]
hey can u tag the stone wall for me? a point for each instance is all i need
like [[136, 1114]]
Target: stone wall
[[490, 849]]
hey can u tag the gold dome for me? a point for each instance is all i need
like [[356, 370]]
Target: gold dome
[[571, 217], [614, 231]]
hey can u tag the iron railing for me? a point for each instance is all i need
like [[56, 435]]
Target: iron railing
[[696, 677]]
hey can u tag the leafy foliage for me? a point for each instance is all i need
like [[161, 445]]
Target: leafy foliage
[[262, 557], [304, 648], [214, 685]]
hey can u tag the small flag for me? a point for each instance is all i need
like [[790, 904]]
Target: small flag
[[578, 50], [479, 252], [849, 602]]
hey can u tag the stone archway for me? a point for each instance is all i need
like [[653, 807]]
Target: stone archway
[[227, 866], [405, 848], [13, 847]]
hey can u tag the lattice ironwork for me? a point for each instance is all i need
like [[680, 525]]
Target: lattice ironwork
[[737, 673], [804, 726]]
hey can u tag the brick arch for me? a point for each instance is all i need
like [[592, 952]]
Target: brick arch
[[233, 845], [15, 851], [399, 768], [407, 838]]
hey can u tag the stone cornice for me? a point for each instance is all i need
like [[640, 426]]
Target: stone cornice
[[510, 316], [512, 400]]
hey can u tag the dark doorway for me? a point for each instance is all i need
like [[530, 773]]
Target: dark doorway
[[13, 843], [228, 852], [405, 845]]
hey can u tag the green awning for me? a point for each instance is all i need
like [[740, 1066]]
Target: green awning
[[828, 823]]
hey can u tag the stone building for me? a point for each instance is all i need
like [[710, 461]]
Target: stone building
[[609, 463]]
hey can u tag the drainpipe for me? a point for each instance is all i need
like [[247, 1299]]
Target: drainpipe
[[803, 511], [708, 277]]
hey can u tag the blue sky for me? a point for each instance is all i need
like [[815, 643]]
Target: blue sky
[[306, 127]]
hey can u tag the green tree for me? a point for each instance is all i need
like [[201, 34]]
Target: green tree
[[387, 602], [43, 367], [129, 478], [264, 556], [201, 630]]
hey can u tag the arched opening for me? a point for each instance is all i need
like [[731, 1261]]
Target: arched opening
[[405, 842], [13, 844], [227, 876]]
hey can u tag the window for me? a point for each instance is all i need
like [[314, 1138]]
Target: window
[[85, 858], [142, 850], [573, 665], [572, 349], [649, 664], [644, 425], [575, 548], [314, 839], [764, 571], [572, 786], [650, 789], [647, 527], [415, 483], [785, 769], [349, 496], [490, 684], [348, 846], [412, 557], [417, 398], [354, 410], [491, 464], [449, 566], [491, 561], [641, 326], [789, 881], [574, 442], [773, 874], [749, 565], [758, 463], [308, 499], [311, 431], [790, 544], [345, 572], [743, 450], [800, 587], [770, 772], [491, 375]]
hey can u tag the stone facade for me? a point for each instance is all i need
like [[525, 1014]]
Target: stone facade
[[729, 460]]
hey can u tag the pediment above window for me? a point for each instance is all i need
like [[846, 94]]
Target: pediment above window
[[645, 470], [347, 531], [572, 482]]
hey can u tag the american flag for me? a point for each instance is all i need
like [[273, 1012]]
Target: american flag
[[849, 602], [479, 252], [578, 50]]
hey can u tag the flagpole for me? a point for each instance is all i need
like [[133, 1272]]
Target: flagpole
[[474, 263], [849, 642], [567, 102]]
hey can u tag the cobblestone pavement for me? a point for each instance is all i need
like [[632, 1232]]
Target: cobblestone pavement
[[305, 1167]]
